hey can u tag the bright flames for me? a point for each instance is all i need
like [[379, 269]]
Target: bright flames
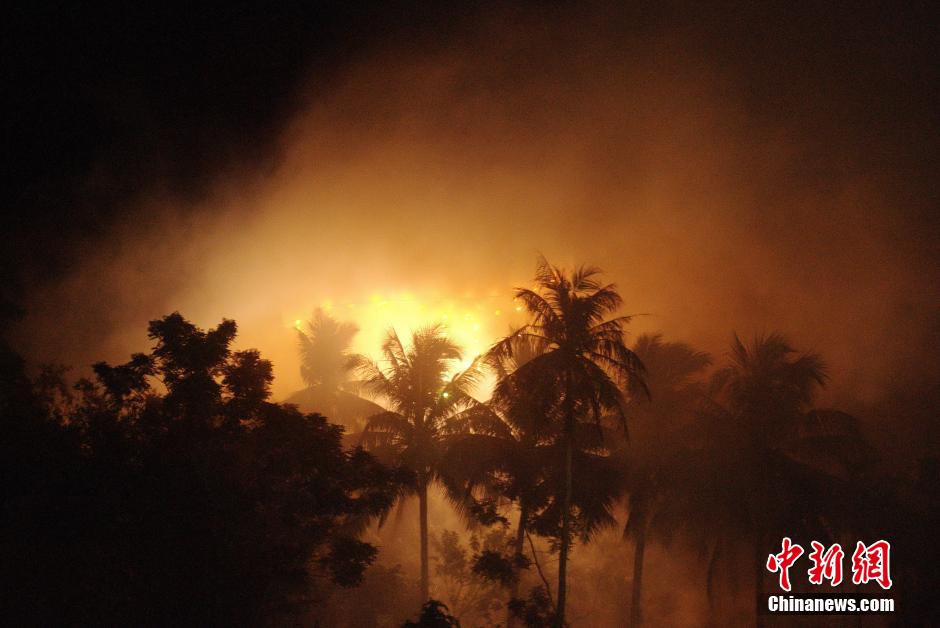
[[473, 321]]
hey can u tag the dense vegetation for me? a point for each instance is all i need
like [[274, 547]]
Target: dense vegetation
[[170, 490]]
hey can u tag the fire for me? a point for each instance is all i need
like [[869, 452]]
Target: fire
[[472, 321]]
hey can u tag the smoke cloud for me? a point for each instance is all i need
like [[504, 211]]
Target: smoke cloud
[[424, 179]]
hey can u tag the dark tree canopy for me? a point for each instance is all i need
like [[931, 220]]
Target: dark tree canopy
[[172, 491], [434, 614]]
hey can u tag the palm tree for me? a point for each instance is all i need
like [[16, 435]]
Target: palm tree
[[506, 449], [419, 402], [499, 454], [324, 351], [765, 388], [660, 424], [326, 370], [584, 368], [766, 464]]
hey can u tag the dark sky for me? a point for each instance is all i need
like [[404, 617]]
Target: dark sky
[[102, 103]]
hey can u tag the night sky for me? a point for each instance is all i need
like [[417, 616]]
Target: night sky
[[101, 103]]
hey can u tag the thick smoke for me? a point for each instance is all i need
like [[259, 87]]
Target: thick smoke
[[439, 170]]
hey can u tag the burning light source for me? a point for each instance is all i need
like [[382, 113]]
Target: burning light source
[[464, 319]]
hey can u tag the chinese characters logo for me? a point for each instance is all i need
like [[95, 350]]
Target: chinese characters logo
[[870, 563]]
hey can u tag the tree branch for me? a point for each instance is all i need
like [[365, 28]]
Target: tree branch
[[538, 568]]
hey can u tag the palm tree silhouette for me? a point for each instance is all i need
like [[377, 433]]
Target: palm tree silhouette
[[660, 425], [326, 370], [766, 464], [419, 405], [584, 369], [500, 453], [324, 351], [507, 449]]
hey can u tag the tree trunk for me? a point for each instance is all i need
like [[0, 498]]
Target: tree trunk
[[519, 552], [423, 516], [638, 552], [565, 537]]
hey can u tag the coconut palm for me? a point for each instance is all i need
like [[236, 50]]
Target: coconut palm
[[325, 353], [499, 462], [419, 402], [660, 425], [499, 454], [764, 390], [584, 369], [507, 450], [765, 464]]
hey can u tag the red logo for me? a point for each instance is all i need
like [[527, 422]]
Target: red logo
[[826, 565], [869, 563], [783, 561], [872, 562]]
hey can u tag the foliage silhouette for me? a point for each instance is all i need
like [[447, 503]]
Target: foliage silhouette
[[420, 403], [468, 592], [536, 611], [661, 424], [170, 490], [762, 463], [202, 503], [585, 368], [510, 449], [498, 454], [326, 369], [434, 614]]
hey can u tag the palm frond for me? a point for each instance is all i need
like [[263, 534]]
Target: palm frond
[[389, 423], [371, 376], [538, 305]]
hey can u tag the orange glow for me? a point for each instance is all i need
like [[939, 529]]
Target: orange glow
[[473, 322]]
